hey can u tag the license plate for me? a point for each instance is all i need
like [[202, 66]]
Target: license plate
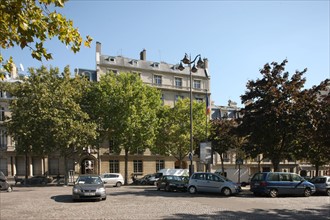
[[89, 194]]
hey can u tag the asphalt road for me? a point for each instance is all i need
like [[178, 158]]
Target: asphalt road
[[145, 202]]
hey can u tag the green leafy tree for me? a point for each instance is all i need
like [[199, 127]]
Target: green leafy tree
[[270, 104], [29, 23], [126, 111], [174, 131], [312, 113], [46, 114], [224, 138]]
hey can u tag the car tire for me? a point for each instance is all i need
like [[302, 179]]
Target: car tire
[[328, 192], [226, 191], [273, 193], [118, 184], [307, 192], [192, 190], [105, 198]]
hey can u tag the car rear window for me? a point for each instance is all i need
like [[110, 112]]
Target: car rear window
[[257, 177], [320, 180]]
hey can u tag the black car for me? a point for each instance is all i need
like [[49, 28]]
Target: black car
[[37, 180], [172, 183]]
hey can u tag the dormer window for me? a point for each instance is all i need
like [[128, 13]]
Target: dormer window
[[110, 59], [155, 64]]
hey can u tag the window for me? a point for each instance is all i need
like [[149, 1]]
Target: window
[[112, 70], [3, 139], [163, 99], [197, 84], [199, 100], [111, 147], [178, 82], [114, 166], [158, 80], [138, 166], [160, 164], [2, 114], [177, 97]]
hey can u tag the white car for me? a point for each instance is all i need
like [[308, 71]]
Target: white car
[[114, 179]]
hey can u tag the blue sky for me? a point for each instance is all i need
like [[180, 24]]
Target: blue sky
[[237, 37]]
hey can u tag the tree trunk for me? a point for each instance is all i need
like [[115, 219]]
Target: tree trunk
[[276, 163], [126, 167], [222, 165], [317, 168]]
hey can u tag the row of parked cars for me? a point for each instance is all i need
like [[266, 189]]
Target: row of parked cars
[[265, 183]]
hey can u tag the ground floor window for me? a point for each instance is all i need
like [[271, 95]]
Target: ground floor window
[[114, 166], [53, 166], [160, 164], [138, 166]]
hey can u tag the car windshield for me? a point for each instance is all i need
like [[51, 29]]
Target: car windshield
[[89, 180]]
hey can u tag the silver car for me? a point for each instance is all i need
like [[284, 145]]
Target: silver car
[[89, 186], [322, 184], [113, 179], [211, 182]]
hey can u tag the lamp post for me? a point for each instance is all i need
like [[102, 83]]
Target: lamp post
[[187, 60]]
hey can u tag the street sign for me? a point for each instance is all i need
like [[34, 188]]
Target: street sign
[[239, 161]]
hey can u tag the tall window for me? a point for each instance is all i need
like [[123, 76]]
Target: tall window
[[163, 99], [2, 113], [178, 82], [3, 139], [177, 97], [197, 84], [138, 166], [160, 164], [111, 146], [114, 166], [157, 79]]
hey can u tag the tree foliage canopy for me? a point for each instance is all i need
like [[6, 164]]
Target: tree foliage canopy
[[270, 106], [126, 110], [46, 113], [174, 130], [29, 23]]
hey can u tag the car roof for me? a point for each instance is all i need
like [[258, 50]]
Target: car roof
[[89, 175]]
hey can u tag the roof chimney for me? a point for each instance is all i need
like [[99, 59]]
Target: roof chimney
[[206, 63], [98, 47], [143, 55]]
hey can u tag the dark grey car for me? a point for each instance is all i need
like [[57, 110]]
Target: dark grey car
[[89, 186]]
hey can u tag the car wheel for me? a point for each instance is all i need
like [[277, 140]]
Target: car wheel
[[192, 190], [118, 184], [273, 193], [307, 192], [226, 191], [328, 192], [105, 198]]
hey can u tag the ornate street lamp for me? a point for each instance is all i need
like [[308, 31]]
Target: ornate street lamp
[[187, 60]]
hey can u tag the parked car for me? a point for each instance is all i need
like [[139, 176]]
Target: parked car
[[211, 182], [277, 183], [172, 183], [4, 185], [37, 180], [114, 179], [322, 184], [148, 179], [89, 186]]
